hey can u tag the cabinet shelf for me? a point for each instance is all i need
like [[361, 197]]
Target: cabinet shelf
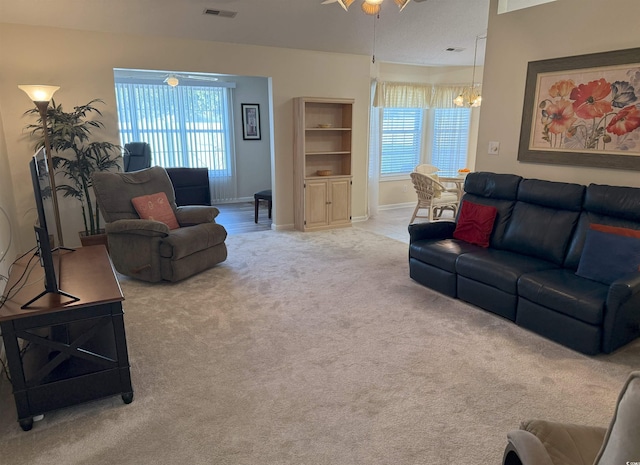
[[337, 152], [322, 141]]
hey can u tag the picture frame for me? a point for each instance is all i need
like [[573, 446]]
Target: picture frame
[[251, 121], [583, 111]]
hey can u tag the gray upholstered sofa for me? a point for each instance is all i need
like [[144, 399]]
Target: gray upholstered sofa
[[528, 272], [146, 249]]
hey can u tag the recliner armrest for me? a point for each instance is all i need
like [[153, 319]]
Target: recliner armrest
[[139, 227], [622, 289], [437, 230], [527, 447], [196, 214]]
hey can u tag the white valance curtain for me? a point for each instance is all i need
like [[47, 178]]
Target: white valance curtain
[[412, 95]]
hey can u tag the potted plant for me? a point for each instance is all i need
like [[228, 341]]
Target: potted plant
[[77, 157]]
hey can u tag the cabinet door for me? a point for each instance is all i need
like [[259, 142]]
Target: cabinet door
[[340, 201], [315, 204]]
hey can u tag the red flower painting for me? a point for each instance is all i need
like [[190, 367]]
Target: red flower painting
[[600, 113]]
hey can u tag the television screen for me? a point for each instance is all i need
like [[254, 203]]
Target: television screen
[[45, 227]]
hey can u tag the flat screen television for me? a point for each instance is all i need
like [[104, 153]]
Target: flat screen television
[[48, 259]]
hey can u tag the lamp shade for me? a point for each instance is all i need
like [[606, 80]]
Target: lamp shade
[[39, 93]]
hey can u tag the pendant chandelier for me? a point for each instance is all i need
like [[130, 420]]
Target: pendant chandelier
[[370, 7], [471, 96]]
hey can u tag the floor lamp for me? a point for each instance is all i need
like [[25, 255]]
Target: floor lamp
[[41, 95]]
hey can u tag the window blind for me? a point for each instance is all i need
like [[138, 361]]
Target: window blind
[[186, 126], [450, 139], [401, 140]]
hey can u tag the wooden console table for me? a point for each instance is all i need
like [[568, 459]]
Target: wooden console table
[[63, 354]]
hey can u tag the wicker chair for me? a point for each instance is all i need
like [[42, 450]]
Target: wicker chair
[[426, 169], [433, 197]]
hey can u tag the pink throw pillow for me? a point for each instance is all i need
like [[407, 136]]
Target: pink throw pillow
[[155, 207]]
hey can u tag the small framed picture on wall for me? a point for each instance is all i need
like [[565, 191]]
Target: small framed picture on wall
[[251, 121]]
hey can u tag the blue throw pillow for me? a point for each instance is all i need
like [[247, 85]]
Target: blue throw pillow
[[608, 256]]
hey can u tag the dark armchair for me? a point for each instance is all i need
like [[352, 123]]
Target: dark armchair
[[147, 249], [137, 156], [191, 185]]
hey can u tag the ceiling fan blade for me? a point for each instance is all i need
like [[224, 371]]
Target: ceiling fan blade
[[329, 1]]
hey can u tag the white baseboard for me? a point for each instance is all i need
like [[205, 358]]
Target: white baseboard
[[393, 206]]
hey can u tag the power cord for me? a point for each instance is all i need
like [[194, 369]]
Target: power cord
[[26, 272]]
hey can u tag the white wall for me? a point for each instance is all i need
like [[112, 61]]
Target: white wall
[[82, 64], [8, 226], [552, 30]]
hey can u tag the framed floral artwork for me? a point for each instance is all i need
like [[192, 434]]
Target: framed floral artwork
[[583, 110]]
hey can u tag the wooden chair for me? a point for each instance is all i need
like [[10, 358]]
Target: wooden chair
[[434, 197]]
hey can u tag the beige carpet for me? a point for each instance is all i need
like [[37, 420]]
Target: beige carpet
[[314, 349]]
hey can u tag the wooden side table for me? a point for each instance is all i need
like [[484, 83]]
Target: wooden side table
[[63, 354]]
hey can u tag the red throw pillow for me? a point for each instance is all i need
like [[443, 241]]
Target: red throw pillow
[[475, 223], [155, 207]]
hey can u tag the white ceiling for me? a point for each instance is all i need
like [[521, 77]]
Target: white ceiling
[[417, 35]]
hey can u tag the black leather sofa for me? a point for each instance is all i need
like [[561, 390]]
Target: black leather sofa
[[528, 272]]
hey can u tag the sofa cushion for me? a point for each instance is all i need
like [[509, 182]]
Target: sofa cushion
[[564, 292], [558, 195], [609, 253], [613, 201], [475, 223], [441, 253], [541, 232], [621, 444], [155, 207], [186, 241], [498, 268]]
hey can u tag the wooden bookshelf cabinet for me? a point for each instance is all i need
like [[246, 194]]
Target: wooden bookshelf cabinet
[[322, 163]]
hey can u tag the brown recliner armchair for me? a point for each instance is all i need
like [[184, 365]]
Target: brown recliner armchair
[[147, 249], [540, 442]]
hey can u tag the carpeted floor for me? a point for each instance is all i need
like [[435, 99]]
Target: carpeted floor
[[315, 349]]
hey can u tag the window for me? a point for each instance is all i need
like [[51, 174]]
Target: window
[[401, 140], [450, 140], [186, 126], [402, 135]]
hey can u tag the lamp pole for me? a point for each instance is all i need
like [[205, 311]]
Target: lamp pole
[[41, 95]]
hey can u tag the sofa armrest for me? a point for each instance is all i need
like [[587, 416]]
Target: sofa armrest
[[528, 448], [540, 442], [436, 230], [139, 227], [196, 214], [623, 289], [622, 317]]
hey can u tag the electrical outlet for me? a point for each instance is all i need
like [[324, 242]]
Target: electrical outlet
[[405, 188], [494, 148]]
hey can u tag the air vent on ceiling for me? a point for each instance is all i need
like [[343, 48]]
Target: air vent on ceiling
[[454, 49], [221, 13]]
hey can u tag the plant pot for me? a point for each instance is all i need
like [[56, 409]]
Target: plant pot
[[94, 239]]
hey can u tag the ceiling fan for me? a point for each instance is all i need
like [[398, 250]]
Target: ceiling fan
[[370, 7]]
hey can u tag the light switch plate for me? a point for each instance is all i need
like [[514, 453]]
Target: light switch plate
[[494, 148]]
